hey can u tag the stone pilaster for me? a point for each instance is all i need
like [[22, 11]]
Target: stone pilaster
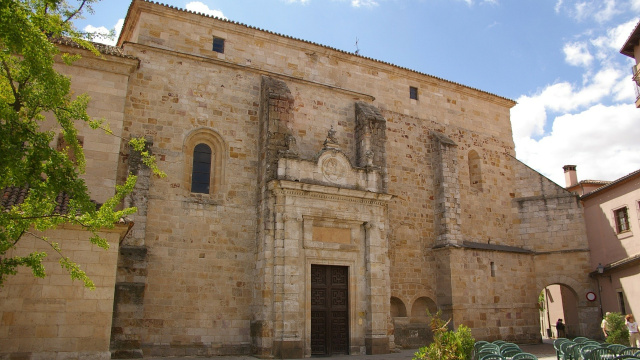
[[276, 140], [376, 260], [371, 137], [128, 307], [447, 219], [288, 284], [447, 189]]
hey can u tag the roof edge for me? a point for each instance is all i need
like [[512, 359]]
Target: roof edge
[[612, 184], [501, 99]]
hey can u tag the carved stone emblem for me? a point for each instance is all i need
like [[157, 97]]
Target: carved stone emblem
[[333, 169]]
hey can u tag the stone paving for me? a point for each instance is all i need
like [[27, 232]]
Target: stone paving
[[543, 351]]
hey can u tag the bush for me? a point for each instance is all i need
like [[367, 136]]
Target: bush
[[618, 332], [447, 345]]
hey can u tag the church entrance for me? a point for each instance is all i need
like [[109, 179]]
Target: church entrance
[[329, 310]]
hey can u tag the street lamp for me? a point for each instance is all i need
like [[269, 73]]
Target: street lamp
[[600, 270]]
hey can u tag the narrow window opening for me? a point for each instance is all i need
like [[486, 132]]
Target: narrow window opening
[[201, 174], [413, 93], [218, 45], [622, 219], [493, 269], [623, 308], [475, 170]]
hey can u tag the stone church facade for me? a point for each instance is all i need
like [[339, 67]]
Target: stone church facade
[[317, 202]]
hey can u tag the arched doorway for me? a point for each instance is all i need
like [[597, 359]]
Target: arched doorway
[[558, 301]]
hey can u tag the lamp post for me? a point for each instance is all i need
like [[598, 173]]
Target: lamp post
[[600, 270]]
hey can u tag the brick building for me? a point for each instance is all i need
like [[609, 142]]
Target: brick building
[[317, 202]]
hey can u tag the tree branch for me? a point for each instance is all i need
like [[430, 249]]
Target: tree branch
[[78, 10], [16, 102]]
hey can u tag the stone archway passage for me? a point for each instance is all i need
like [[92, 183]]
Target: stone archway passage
[[329, 310]]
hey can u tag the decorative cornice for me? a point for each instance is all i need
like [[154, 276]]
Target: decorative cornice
[[272, 74], [294, 188]]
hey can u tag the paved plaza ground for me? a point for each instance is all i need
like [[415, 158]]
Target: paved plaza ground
[[543, 351]]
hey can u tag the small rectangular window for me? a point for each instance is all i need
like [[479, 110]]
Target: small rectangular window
[[218, 45], [413, 92], [622, 219]]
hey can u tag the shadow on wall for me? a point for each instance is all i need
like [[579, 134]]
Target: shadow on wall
[[412, 332]]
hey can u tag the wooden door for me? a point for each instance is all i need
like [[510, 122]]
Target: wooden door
[[329, 310]]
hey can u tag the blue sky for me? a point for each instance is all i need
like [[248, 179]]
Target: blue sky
[[559, 59]]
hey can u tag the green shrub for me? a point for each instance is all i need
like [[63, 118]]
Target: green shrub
[[447, 345], [618, 332]]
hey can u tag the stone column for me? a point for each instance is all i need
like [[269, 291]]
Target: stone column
[[376, 335]]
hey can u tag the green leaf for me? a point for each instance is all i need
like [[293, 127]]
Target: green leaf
[[30, 86]]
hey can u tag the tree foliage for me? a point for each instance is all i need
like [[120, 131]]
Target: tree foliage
[[30, 87], [618, 331], [447, 345]]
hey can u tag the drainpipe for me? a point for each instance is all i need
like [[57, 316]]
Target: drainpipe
[[546, 298]]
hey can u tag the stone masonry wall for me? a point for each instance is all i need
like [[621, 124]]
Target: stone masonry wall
[[57, 317], [105, 81], [182, 85], [198, 294], [550, 221], [482, 215]]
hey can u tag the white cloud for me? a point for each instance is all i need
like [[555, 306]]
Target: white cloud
[[598, 10], [365, 3], [577, 54], [118, 28], [606, 11], [199, 7], [615, 37], [601, 140], [490, 2], [101, 33], [593, 124], [354, 3]]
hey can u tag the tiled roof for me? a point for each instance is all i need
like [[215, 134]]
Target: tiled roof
[[595, 182], [632, 42], [102, 48], [15, 195], [611, 184]]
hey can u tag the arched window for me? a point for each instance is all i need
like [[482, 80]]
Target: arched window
[[201, 172], [205, 157], [475, 170]]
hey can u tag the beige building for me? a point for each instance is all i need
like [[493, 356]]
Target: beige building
[[612, 216], [631, 48], [317, 202]]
